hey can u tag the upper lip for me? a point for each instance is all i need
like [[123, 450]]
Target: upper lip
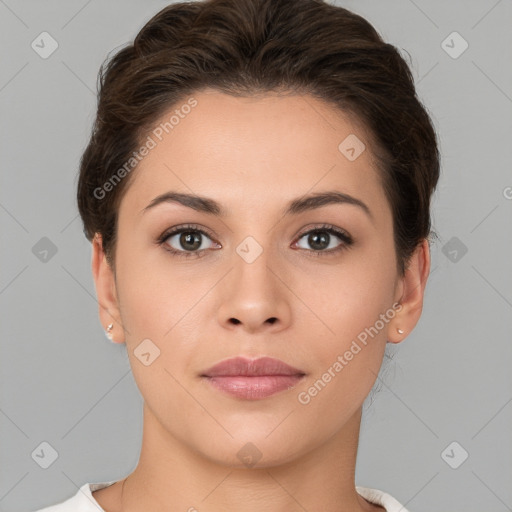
[[251, 367]]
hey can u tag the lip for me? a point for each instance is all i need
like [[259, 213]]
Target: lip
[[252, 379], [243, 366]]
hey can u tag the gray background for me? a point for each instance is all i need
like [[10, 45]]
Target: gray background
[[63, 383]]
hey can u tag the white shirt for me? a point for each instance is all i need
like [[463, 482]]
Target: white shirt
[[83, 500]]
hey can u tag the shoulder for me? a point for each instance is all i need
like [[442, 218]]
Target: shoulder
[[378, 497], [82, 501]]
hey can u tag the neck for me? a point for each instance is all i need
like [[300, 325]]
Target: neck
[[171, 474]]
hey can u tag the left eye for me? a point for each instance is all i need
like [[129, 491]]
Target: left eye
[[321, 239]]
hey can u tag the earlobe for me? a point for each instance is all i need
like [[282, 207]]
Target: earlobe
[[106, 292], [412, 288]]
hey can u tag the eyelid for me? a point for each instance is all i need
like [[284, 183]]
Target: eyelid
[[340, 232], [184, 227]]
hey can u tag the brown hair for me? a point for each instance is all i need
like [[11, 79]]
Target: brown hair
[[249, 47]]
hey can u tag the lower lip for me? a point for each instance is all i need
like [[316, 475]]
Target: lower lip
[[254, 388]]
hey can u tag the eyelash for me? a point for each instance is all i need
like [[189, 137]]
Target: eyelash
[[328, 228]]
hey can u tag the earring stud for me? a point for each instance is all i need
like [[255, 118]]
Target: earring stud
[[109, 331], [400, 331]]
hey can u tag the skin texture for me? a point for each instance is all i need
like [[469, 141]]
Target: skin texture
[[253, 155]]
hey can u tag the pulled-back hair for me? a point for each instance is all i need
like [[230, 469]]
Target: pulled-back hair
[[253, 47]]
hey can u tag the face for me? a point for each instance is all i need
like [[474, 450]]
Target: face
[[313, 284]]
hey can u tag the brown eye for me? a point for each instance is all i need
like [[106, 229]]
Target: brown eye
[[186, 241], [189, 240], [323, 240]]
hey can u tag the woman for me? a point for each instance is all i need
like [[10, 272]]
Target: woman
[[257, 192]]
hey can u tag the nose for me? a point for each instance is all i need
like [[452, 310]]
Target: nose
[[255, 297]]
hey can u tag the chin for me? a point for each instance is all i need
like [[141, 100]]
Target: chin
[[255, 449]]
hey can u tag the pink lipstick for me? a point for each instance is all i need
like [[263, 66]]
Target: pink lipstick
[[252, 379]]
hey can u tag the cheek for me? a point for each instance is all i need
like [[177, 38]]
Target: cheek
[[159, 304], [351, 295], [347, 357], [152, 296], [348, 333]]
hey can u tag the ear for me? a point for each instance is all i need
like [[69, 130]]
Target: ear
[[104, 280], [410, 292]]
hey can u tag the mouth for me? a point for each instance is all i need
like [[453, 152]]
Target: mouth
[[252, 379]]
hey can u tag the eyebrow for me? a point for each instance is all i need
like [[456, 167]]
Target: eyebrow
[[294, 207]]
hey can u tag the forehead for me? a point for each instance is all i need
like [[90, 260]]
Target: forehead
[[258, 149]]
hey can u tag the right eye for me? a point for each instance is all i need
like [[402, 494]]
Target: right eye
[[188, 241]]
